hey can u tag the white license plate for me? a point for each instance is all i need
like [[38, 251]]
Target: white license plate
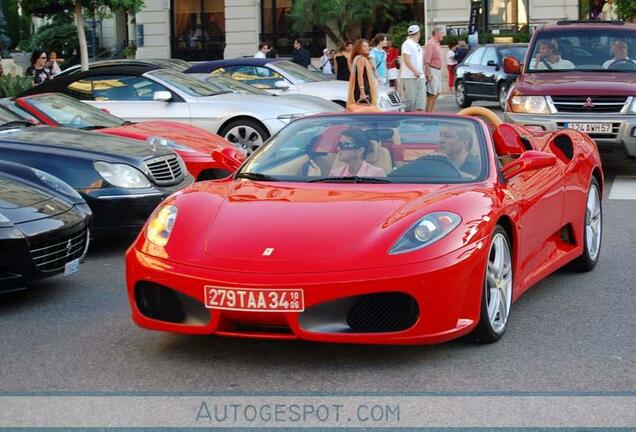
[[597, 128], [71, 267], [254, 300]]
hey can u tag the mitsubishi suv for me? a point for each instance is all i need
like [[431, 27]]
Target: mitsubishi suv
[[579, 75]]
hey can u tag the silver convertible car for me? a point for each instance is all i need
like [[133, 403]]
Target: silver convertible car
[[280, 76], [140, 91]]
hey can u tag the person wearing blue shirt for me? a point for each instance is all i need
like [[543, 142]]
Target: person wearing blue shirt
[[378, 54]]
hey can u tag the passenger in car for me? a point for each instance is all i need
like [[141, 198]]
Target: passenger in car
[[549, 57], [620, 51], [353, 147], [457, 144]]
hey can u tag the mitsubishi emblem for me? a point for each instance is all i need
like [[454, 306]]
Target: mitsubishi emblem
[[69, 247], [588, 103], [268, 251]]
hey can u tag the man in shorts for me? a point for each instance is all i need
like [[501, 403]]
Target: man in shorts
[[433, 68], [411, 71]]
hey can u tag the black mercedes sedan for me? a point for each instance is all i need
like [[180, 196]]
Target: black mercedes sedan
[[121, 181], [480, 76], [44, 226]]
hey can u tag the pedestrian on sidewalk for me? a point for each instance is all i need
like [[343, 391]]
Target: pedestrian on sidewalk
[[392, 55], [362, 85], [53, 65], [451, 64], [411, 71], [301, 54], [433, 68], [325, 62], [379, 57], [38, 71], [262, 51], [343, 61], [461, 51]]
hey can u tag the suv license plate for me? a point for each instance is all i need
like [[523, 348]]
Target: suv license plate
[[596, 128], [254, 300]]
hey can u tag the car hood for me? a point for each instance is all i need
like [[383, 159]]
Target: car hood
[[86, 144], [323, 226], [578, 83], [322, 104], [191, 136], [14, 194], [267, 106]]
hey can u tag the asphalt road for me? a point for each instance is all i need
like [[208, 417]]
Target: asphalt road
[[572, 332]]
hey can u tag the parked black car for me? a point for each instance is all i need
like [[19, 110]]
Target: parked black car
[[44, 226], [121, 181], [481, 76]]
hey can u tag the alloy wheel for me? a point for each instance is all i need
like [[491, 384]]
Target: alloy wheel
[[593, 223], [245, 137], [499, 283]]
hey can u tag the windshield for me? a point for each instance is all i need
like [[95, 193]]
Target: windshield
[[519, 52], [7, 116], [69, 112], [229, 84], [586, 50], [186, 83], [10, 105], [297, 74], [372, 149]]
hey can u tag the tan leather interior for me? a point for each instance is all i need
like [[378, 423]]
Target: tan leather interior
[[378, 156]]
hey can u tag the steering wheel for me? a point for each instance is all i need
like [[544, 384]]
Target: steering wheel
[[482, 112], [623, 65], [429, 166], [76, 121]]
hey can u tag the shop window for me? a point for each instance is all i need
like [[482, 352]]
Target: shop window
[[507, 14], [198, 29]]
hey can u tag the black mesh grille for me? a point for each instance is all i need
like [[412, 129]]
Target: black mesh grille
[[166, 170], [54, 254], [591, 104], [158, 302], [383, 312]]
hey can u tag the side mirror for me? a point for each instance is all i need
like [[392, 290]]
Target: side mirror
[[162, 96], [492, 63], [511, 65], [528, 161], [229, 157], [281, 85]]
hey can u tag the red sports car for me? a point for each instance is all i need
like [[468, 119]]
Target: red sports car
[[371, 228], [193, 144]]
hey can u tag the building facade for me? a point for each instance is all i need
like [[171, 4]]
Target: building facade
[[212, 29]]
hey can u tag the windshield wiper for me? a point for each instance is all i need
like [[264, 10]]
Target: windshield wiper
[[350, 179], [92, 127], [15, 123], [256, 176]]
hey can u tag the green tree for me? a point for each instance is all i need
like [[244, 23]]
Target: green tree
[[626, 9], [48, 8], [342, 19]]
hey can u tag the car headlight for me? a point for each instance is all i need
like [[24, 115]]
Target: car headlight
[[529, 104], [426, 231], [122, 175], [160, 225], [155, 141], [4, 219], [288, 118], [56, 184], [384, 102], [632, 106]]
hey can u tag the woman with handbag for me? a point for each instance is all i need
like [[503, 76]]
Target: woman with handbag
[[363, 94]]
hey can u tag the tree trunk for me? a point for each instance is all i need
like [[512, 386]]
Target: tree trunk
[[81, 36], [332, 34]]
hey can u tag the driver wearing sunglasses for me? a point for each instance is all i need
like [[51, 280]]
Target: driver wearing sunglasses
[[353, 147]]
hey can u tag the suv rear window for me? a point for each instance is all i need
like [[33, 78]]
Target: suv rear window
[[584, 49]]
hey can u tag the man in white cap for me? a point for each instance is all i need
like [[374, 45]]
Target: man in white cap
[[412, 71], [325, 62]]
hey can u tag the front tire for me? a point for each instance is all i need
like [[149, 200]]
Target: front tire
[[246, 134], [496, 296], [592, 231], [461, 99]]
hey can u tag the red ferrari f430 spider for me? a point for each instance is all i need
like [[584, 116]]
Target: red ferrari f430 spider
[[372, 228]]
